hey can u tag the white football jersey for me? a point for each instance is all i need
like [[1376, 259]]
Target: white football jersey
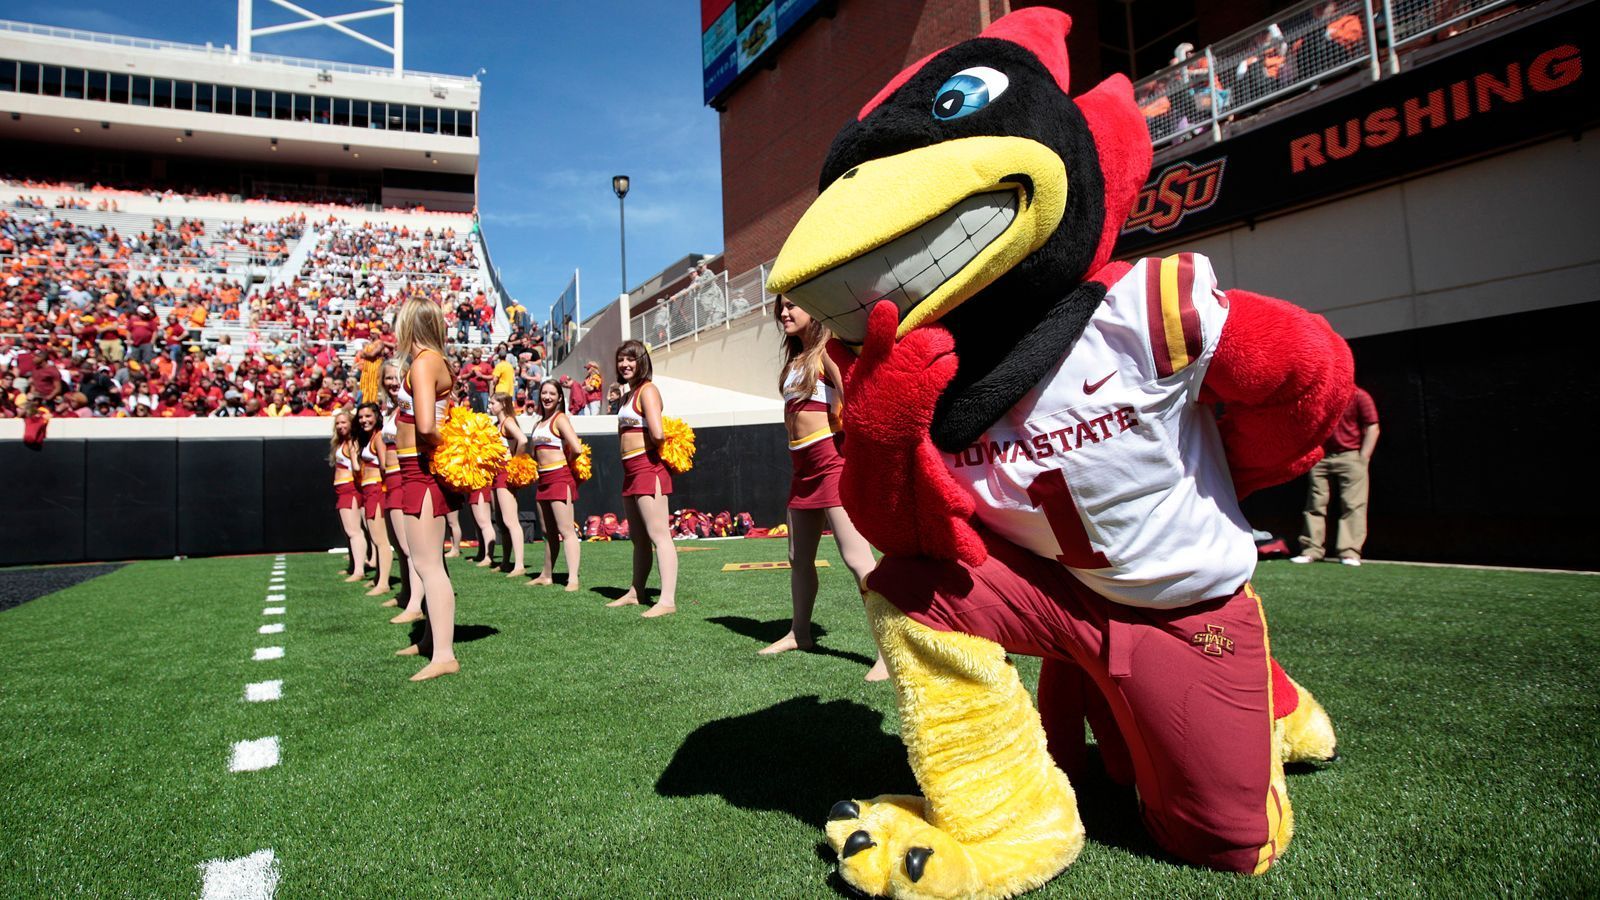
[[1111, 465]]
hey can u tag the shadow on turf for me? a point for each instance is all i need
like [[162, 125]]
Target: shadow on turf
[[800, 757], [615, 593], [803, 755], [767, 632]]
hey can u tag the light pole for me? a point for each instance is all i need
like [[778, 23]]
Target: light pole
[[619, 185]]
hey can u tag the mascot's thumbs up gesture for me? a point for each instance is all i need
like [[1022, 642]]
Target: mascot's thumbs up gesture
[[1032, 438]]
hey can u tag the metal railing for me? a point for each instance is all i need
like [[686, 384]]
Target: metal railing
[[1303, 46], [718, 300], [226, 50]]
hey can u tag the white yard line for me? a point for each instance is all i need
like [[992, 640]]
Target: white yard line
[[253, 877], [252, 756], [278, 597], [274, 628], [272, 611], [269, 653], [264, 691]]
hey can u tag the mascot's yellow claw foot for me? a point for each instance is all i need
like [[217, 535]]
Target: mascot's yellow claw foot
[[887, 848], [1307, 734], [999, 818]]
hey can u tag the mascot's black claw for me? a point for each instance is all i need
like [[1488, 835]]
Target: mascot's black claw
[[844, 809], [857, 842], [916, 861]]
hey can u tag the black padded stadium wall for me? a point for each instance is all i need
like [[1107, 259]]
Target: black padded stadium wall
[[1482, 453], [73, 500]]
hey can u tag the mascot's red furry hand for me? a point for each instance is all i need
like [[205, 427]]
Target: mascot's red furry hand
[[889, 397]]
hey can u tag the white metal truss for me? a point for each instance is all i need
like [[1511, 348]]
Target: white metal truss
[[395, 8]]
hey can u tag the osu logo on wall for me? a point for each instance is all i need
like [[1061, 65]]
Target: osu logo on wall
[[1181, 188]]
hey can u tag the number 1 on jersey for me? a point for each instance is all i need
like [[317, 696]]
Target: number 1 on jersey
[[1050, 493]]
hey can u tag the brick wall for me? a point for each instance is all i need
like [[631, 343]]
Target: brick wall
[[777, 125]]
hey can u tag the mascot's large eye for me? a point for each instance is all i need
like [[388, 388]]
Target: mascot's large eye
[[968, 91]]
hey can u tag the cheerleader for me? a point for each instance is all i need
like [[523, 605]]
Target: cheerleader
[[504, 409], [394, 496], [809, 382], [555, 446], [424, 397], [369, 436], [342, 455], [646, 483], [483, 516]]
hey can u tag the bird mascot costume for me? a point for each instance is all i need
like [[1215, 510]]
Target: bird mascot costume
[[1049, 448]]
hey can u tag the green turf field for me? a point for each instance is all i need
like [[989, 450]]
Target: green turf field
[[583, 751]]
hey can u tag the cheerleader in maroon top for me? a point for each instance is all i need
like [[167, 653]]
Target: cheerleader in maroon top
[[394, 495], [555, 445], [343, 454], [810, 384], [504, 409], [646, 483], [369, 434], [424, 400]]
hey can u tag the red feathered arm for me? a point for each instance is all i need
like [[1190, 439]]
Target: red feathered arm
[[895, 486], [1284, 378]]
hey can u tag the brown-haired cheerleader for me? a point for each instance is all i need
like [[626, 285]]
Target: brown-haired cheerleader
[[343, 451], [646, 482], [369, 434], [504, 409], [394, 496], [424, 401], [555, 445], [810, 383]]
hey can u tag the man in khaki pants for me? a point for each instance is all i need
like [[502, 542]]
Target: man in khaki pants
[[1344, 463]]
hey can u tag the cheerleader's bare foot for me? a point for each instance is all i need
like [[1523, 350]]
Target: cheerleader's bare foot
[[878, 672], [486, 562], [437, 668], [785, 644], [354, 578], [659, 610], [407, 617], [453, 554], [391, 602], [541, 579], [628, 599], [412, 650], [377, 592], [572, 585]]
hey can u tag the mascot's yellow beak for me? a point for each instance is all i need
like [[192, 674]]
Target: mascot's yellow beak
[[927, 229]]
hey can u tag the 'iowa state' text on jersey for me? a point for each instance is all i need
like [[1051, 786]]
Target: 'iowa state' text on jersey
[[1110, 464]]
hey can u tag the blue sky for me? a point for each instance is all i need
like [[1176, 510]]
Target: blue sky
[[576, 91]]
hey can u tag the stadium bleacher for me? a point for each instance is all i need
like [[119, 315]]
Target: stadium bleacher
[[165, 304]]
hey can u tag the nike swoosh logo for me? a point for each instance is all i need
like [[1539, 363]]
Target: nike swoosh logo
[[1091, 388]]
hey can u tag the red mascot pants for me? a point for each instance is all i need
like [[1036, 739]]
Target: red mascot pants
[[1180, 700]]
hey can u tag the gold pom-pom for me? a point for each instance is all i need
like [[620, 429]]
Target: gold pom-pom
[[470, 450], [583, 466], [521, 471], [677, 444]]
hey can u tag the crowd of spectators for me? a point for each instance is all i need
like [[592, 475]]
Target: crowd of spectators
[[90, 327]]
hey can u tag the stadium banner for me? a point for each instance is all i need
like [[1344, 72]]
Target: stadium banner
[[1518, 87], [734, 34]]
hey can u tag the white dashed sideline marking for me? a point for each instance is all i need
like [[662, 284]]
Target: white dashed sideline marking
[[263, 691], [272, 611], [274, 628], [279, 597], [251, 756], [253, 877], [276, 579], [269, 653]]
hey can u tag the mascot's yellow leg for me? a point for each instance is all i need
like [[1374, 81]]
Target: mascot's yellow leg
[[1307, 733], [999, 818]]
